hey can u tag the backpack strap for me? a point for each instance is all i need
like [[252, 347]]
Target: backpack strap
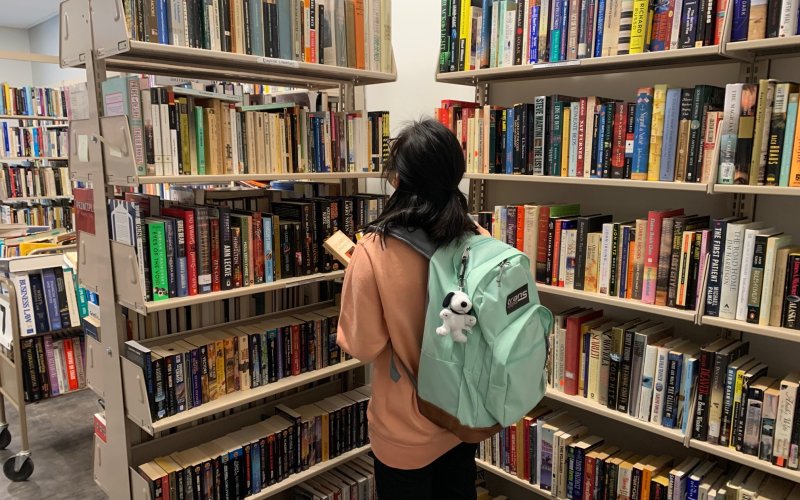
[[394, 373], [417, 239]]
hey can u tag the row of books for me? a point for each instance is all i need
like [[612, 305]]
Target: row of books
[[348, 33], [185, 250], [753, 274], [613, 363], [201, 368], [49, 300], [39, 141], [21, 239], [650, 139], [52, 365], [175, 134], [29, 182], [478, 34], [555, 451], [354, 480], [757, 20], [760, 143], [33, 101], [244, 462], [55, 215]]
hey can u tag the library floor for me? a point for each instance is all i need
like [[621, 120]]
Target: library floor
[[60, 432]]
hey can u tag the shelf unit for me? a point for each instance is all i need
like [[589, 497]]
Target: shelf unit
[[34, 118], [519, 83], [94, 36], [33, 158]]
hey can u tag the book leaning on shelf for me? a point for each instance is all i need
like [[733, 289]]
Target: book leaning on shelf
[[247, 461], [347, 33], [478, 34], [552, 449], [33, 101], [187, 249], [175, 134], [594, 137], [201, 368]]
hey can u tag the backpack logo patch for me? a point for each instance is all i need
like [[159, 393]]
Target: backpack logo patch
[[517, 299]]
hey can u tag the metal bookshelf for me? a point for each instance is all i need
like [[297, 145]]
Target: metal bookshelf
[[747, 55], [34, 118], [93, 36]]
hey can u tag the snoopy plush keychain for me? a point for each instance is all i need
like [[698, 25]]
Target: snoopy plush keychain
[[456, 315]]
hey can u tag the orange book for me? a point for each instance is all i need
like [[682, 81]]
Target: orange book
[[72, 371], [520, 227], [359, 33], [794, 173], [307, 31]]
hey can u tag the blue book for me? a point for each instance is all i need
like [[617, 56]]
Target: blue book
[[571, 459], [577, 485], [36, 151], [51, 299], [533, 56], [29, 100], [510, 141], [256, 14], [254, 352], [555, 31], [689, 377], [197, 378], [564, 29], [161, 19], [285, 29], [669, 143], [598, 36], [6, 143], [486, 35], [641, 133], [597, 171], [788, 141], [741, 20], [269, 266], [279, 350]]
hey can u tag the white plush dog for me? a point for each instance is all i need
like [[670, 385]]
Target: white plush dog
[[456, 316]]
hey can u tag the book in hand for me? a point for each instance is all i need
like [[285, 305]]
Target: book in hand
[[341, 247]]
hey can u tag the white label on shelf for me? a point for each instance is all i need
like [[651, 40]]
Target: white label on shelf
[[79, 101], [83, 148], [279, 62], [576, 62]]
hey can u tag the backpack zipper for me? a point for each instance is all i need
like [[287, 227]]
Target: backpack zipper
[[503, 266], [463, 269]]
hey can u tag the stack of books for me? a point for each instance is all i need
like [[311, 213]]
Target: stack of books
[[244, 462], [354, 480], [206, 133], [52, 366], [477, 34], [201, 368], [188, 249], [348, 33]]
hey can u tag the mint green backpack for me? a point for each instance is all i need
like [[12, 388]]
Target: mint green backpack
[[484, 347]]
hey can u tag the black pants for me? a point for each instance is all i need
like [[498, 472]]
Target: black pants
[[449, 477]]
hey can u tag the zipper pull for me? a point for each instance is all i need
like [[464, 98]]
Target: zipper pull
[[503, 266], [463, 270]]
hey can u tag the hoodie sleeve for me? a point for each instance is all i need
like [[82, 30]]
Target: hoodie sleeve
[[362, 330]]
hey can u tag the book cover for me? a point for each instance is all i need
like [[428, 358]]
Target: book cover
[[729, 135], [644, 107], [652, 248], [718, 245], [758, 160], [746, 134], [777, 131], [158, 259], [657, 132]]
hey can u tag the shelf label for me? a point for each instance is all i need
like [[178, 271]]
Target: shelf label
[[279, 62], [576, 62]]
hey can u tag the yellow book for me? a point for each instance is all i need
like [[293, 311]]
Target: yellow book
[[565, 142], [656, 132], [638, 26], [594, 244], [794, 173], [27, 248], [465, 32]]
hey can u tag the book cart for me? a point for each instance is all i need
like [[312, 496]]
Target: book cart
[[19, 467], [93, 35], [618, 77]]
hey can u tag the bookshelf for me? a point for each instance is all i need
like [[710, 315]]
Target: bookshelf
[[37, 118], [97, 39], [618, 77]]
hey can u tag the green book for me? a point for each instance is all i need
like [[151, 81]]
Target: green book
[[200, 140], [80, 293], [158, 259]]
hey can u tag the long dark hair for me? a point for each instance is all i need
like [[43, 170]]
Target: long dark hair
[[427, 163]]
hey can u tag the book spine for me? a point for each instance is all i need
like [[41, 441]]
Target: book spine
[[776, 135], [672, 389], [714, 286], [789, 317], [756, 279], [643, 119], [700, 427]]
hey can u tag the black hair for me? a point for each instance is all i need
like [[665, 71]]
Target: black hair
[[427, 162]]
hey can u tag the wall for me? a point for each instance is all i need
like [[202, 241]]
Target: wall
[[16, 73], [44, 40]]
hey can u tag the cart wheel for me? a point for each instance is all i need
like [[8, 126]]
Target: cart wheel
[[5, 439], [18, 475]]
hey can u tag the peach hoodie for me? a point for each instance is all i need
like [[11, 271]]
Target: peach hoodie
[[383, 301]]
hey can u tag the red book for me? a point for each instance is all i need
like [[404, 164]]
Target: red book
[[190, 241], [573, 348], [541, 251], [72, 371], [520, 227], [295, 349], [216, 268], [618, 145], [581, 135], [588, 478], [662, 27], [652, 247], [455, 103]]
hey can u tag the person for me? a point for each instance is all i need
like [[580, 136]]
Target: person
[[383, 312]]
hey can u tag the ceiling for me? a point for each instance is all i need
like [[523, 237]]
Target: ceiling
[[24, 14]]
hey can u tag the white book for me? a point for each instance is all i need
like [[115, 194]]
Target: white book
[[678, 478], [604, 275], [166, 135], [493, 49], [238, 18], [61, 366], [773, 245], [731, 266], [571, 236], [592, 378], [27, 325], [748, 247], [177, 27], [510, 27], [611, 27], [374, 39], [730, 126], [660, 380], [676, 26], [155, 114], [574, 128], [386, 36], [235, 140], [72, 300], [648, 376], [560, 354], [213, 24], [788, 26], [785, 420]]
